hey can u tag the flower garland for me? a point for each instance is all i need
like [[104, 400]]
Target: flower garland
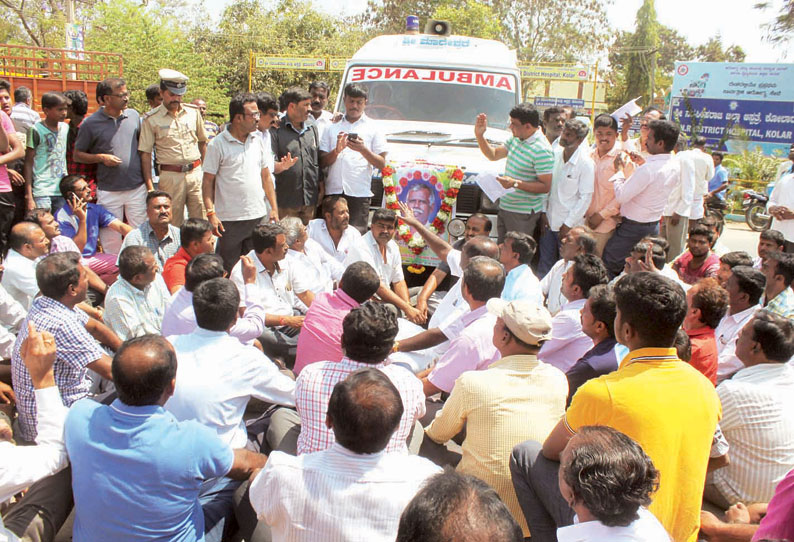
[[451, 178]]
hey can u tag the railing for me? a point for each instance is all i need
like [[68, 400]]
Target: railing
[[64, 64]]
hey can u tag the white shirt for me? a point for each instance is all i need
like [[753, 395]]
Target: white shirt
[[726, 333], [683, 191], [551, 286], [452, 305], [318, 269], [216, 376], [23, 117], [703, 171], [11, 316], [643, 196], [271, 159], [757, 421], [368, 250], [237, 167], [180, 318], [783, 194], [323, 122], [568, 342], [278, 289], [646, 528], [318, 230], [336, 495], [21, 466], [19, 278], [350, 173], [571, 189]]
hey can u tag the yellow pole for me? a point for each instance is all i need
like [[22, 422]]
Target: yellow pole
[[250, 68], [592, 102]]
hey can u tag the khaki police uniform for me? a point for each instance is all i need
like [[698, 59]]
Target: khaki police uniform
[[176, 139]]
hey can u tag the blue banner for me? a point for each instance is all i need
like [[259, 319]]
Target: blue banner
[[770, 124], [754, 101]]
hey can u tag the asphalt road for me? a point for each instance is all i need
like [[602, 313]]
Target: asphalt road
[[738, 236]]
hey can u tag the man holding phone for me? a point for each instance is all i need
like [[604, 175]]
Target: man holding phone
[[350, 149]]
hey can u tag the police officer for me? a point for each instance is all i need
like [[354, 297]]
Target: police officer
[[176, 131]]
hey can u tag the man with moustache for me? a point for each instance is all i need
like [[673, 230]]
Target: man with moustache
[[318, 115], [350, 149], [237, 180], [156, 232], [175, 131], [333, 231]]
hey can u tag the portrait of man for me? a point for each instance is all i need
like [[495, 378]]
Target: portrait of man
[[422, 200]]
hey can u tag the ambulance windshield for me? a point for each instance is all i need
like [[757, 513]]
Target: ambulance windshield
[[436, 95]]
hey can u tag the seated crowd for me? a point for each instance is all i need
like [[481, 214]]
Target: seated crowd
[[271, 377]]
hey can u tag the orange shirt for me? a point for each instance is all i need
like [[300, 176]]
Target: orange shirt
[[704, 352], [603, 201], [174, 270]]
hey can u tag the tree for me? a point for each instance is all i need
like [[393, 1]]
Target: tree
[[40, 22], [150, 39], [780, 30], [470, 19], [713, 51], [642, 51], [388, 16]]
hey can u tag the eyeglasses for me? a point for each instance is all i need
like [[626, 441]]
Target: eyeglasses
[[254, 115]]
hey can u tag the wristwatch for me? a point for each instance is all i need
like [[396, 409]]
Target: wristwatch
[[515, 184]]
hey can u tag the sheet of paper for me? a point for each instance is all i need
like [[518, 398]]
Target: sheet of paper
[[492, 188], [629, 108]]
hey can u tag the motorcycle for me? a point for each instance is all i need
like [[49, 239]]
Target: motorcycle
[[754, 207]]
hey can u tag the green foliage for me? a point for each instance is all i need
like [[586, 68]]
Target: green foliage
[[779, 31], [473, 19], [714, 51], [150, 39], [642, 47], [752, 166]]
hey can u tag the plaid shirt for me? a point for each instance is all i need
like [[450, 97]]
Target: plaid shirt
[[161, 248], [75, 349], [87, 171], [313, 391], [782, 304]]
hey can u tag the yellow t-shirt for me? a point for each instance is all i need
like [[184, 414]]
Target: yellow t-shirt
[[671, 410]]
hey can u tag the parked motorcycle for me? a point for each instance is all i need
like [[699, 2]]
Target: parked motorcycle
[[754, 207]]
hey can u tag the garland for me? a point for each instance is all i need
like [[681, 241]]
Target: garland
[[449, 177]]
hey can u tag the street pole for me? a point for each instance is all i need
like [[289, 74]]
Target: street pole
[[652, 76]]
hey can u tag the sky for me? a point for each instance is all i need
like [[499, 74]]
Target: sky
[[697, 20]]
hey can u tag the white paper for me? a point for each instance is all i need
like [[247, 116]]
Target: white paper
[[630, 108], [492, 188]]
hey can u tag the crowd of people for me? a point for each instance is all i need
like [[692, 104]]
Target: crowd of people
[[208, 335]]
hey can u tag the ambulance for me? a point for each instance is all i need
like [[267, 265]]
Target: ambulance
[[425, 91]]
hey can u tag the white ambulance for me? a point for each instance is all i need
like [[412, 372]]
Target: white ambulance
[[426, 91]]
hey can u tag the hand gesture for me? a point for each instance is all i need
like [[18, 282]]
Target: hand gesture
[[480, 125], [407, 214], [737, 513], [7, 394], [341, 142], [217, 225], [288, 161], [356, 145], [109, 160], [647, 263], [79, 207], [38, 353], [421, 306], [16, 178], [625, 122], [249, 270], [415, 316], [637, 158]]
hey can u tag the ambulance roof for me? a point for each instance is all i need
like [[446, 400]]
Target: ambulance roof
[[429, 50]]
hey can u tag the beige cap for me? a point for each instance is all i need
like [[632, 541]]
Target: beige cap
[[527, 321], [173, 80]]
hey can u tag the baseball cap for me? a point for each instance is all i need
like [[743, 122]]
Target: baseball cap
[[526, 320]]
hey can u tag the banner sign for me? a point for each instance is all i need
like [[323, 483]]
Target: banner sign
[[337, 64], [566, 73], [263, 62], [754, 102], [461, 77], [551, 101]]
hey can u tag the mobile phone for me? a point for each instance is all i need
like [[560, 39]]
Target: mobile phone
[[352, 135]]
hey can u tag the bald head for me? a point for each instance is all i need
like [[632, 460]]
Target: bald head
[[29, 239], [483, 278], [144, 369], [480, 245]]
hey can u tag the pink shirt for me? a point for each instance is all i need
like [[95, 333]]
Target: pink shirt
[[472, 350], [643, 196], [778, 524], [313, 391], [8, 126], [604, 202], [320, 338]]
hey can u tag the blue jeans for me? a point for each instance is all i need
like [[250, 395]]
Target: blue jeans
[[53, 203], [217, 502], [618, 248]]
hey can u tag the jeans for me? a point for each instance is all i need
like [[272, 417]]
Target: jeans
[[538, 491], [53, 203], [217, 502], [549, 251], [618, 248]]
